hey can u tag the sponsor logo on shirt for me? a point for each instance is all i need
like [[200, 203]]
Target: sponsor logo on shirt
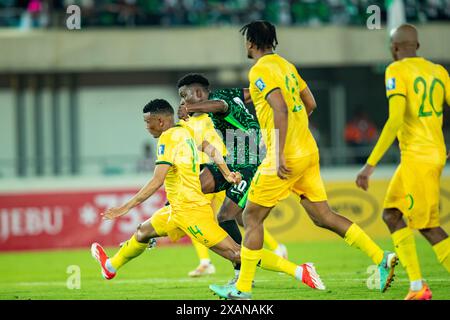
[[260, 84], [390, 84], [161, 149]]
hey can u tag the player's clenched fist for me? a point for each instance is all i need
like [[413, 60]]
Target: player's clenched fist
[[182, 112], [362, 179], [283, 170], [113, 213], [234, 177]]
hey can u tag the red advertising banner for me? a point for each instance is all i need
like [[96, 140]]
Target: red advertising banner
[[69, 219]]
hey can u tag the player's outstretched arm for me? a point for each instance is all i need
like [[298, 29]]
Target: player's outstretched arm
[[146, 192], [208, 106], [280, 118], [308, 99], [216, 156], [397, 108]]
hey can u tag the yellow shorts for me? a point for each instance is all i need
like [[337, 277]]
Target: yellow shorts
[[267, 189], [414, 190], [197, 222], [216, 200]]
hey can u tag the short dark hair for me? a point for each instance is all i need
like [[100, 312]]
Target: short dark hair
[[262, 33], [158, 106], [193, 78]]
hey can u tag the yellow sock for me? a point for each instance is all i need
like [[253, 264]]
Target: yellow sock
[[249, 260], [269, 240], [442, 250], [130, 249], [271, 261], [202, 251], [405, 246], [356, 237]]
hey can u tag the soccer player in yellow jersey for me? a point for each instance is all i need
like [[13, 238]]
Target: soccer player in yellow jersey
[[283, 102], [416, 89], [221, 117], [202, 126], [189, 212]]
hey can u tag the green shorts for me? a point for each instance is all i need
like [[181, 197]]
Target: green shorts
[[237, 193]]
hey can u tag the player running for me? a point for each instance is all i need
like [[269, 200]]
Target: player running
[[189, 212], [283, 102], [203, 127], [416, 89], [240, 132]]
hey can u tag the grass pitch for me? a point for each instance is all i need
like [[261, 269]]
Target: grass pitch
[[161, 274]]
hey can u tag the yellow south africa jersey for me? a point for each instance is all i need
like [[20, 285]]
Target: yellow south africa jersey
[[203, 129], [425, 86], [269, 73], [177, 148]]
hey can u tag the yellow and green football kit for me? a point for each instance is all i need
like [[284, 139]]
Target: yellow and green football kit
[[273, 72], [203, 129], [416, 89], [301, 153], [190, 211]]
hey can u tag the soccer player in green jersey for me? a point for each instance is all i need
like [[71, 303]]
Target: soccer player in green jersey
[[240, 132]]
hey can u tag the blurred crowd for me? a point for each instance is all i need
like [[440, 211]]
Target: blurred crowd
[[109, 13]]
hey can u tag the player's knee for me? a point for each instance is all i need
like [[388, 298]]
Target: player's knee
[[391, 217], [224, 216], [323, 219], [252, 223], [252, 219], [143, 234]]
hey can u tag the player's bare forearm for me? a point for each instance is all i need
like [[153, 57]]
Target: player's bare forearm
[[146, 192], [209, 106], [309, 101], [217, 158], [150, 188]]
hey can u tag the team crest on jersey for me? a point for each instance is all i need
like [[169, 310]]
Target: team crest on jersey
[[390, 84], [260, 84], [161, 149]]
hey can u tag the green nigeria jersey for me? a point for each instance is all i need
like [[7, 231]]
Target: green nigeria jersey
[[239, 129]]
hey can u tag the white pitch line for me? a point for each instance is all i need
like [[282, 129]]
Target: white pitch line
[[201, 280]]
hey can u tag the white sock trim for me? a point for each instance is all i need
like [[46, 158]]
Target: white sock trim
[[110, 267], [299, 273], [205, 261], [416, 285]]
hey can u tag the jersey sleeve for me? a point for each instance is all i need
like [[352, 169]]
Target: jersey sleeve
[[397, 108], [234, 99], [301, 83], [261, 78], [167, 148], [395, 84]]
